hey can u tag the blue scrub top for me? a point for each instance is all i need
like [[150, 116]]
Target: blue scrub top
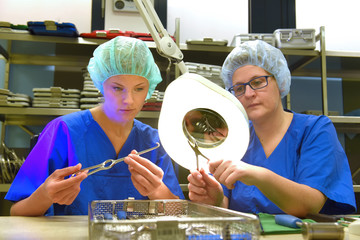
[[310, 154], [78, 138]]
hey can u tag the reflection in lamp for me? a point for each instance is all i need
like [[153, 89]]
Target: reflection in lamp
[[205, 127]]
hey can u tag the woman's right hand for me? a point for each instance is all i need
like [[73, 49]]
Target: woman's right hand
[[55, 189], [63, 191], [204, 188]]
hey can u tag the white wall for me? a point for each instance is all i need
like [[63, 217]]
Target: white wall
[[22, 11], [208, 18], [216, 19], [124, 21], [198, 19], [340, 19]]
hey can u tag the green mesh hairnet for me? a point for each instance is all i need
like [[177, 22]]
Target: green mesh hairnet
[[261, 54], [123, 56]]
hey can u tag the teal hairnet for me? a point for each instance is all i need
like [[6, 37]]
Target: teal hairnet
[[261, 54], [123, 56]]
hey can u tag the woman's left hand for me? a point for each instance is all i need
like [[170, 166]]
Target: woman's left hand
[[145, 175]]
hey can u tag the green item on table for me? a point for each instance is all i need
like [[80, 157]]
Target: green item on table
[[269, 226]]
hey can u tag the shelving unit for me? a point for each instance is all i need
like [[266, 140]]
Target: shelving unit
[[297, 60]]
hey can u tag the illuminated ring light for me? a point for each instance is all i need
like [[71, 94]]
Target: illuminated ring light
[[191, 91]]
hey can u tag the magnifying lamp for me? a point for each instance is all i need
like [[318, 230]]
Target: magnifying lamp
[[199, 121]]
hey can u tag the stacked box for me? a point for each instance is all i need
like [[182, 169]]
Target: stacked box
[[281, 38], [241, 38], [90, 95], [154, 103], [56, 97], [9, 99], [295, 38]]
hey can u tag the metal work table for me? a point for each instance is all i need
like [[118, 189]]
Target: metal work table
[[76, 227]]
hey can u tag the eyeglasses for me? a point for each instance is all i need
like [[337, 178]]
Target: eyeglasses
[[255, 83]]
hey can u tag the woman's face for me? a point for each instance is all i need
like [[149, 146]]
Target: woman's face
[[124, 96], [261, 103]]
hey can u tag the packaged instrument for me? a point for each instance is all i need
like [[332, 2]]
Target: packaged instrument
[[106, 34], [12, 28], [51, 28], [295, 38], [112, 33], [9, 99]]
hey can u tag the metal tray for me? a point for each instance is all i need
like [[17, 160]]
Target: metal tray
[[295, 38], [168, 219], [241, 38]]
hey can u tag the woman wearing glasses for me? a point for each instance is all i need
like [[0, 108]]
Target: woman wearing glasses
[[294, 162]]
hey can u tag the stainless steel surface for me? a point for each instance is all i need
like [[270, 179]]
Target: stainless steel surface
[[312, 231], [168, 219], [205, 128], [77, 228]]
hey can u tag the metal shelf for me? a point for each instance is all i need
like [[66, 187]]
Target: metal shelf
[[36, 111], [74, 61], [54, 39], [346, 124], [205, 48], [342, 54]]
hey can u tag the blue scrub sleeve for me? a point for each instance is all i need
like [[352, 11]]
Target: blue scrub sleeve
[[323, 165], [49, 153]]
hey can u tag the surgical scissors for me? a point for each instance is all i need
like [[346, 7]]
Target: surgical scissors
[[107, 164], [195, 148]]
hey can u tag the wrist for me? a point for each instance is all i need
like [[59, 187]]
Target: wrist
[[42, 193], [162, 192]]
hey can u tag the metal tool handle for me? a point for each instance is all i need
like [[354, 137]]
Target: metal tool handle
[[288, 220]]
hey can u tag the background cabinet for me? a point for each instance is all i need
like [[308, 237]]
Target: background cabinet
[[71, 55]]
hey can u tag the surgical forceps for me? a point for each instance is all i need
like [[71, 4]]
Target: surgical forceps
[[107, 164], [195, 148]]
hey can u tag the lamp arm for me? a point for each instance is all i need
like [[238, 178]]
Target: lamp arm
[[165, 45]]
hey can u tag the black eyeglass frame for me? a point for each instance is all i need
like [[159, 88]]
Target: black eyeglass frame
[[231, 89]]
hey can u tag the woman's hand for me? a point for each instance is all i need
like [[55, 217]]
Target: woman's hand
[[63, 191], [228, 172], [291, 197], [145, 175], [55, 189], [204, 188]]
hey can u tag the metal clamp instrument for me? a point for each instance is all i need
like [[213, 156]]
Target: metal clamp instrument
[[107, 164]]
